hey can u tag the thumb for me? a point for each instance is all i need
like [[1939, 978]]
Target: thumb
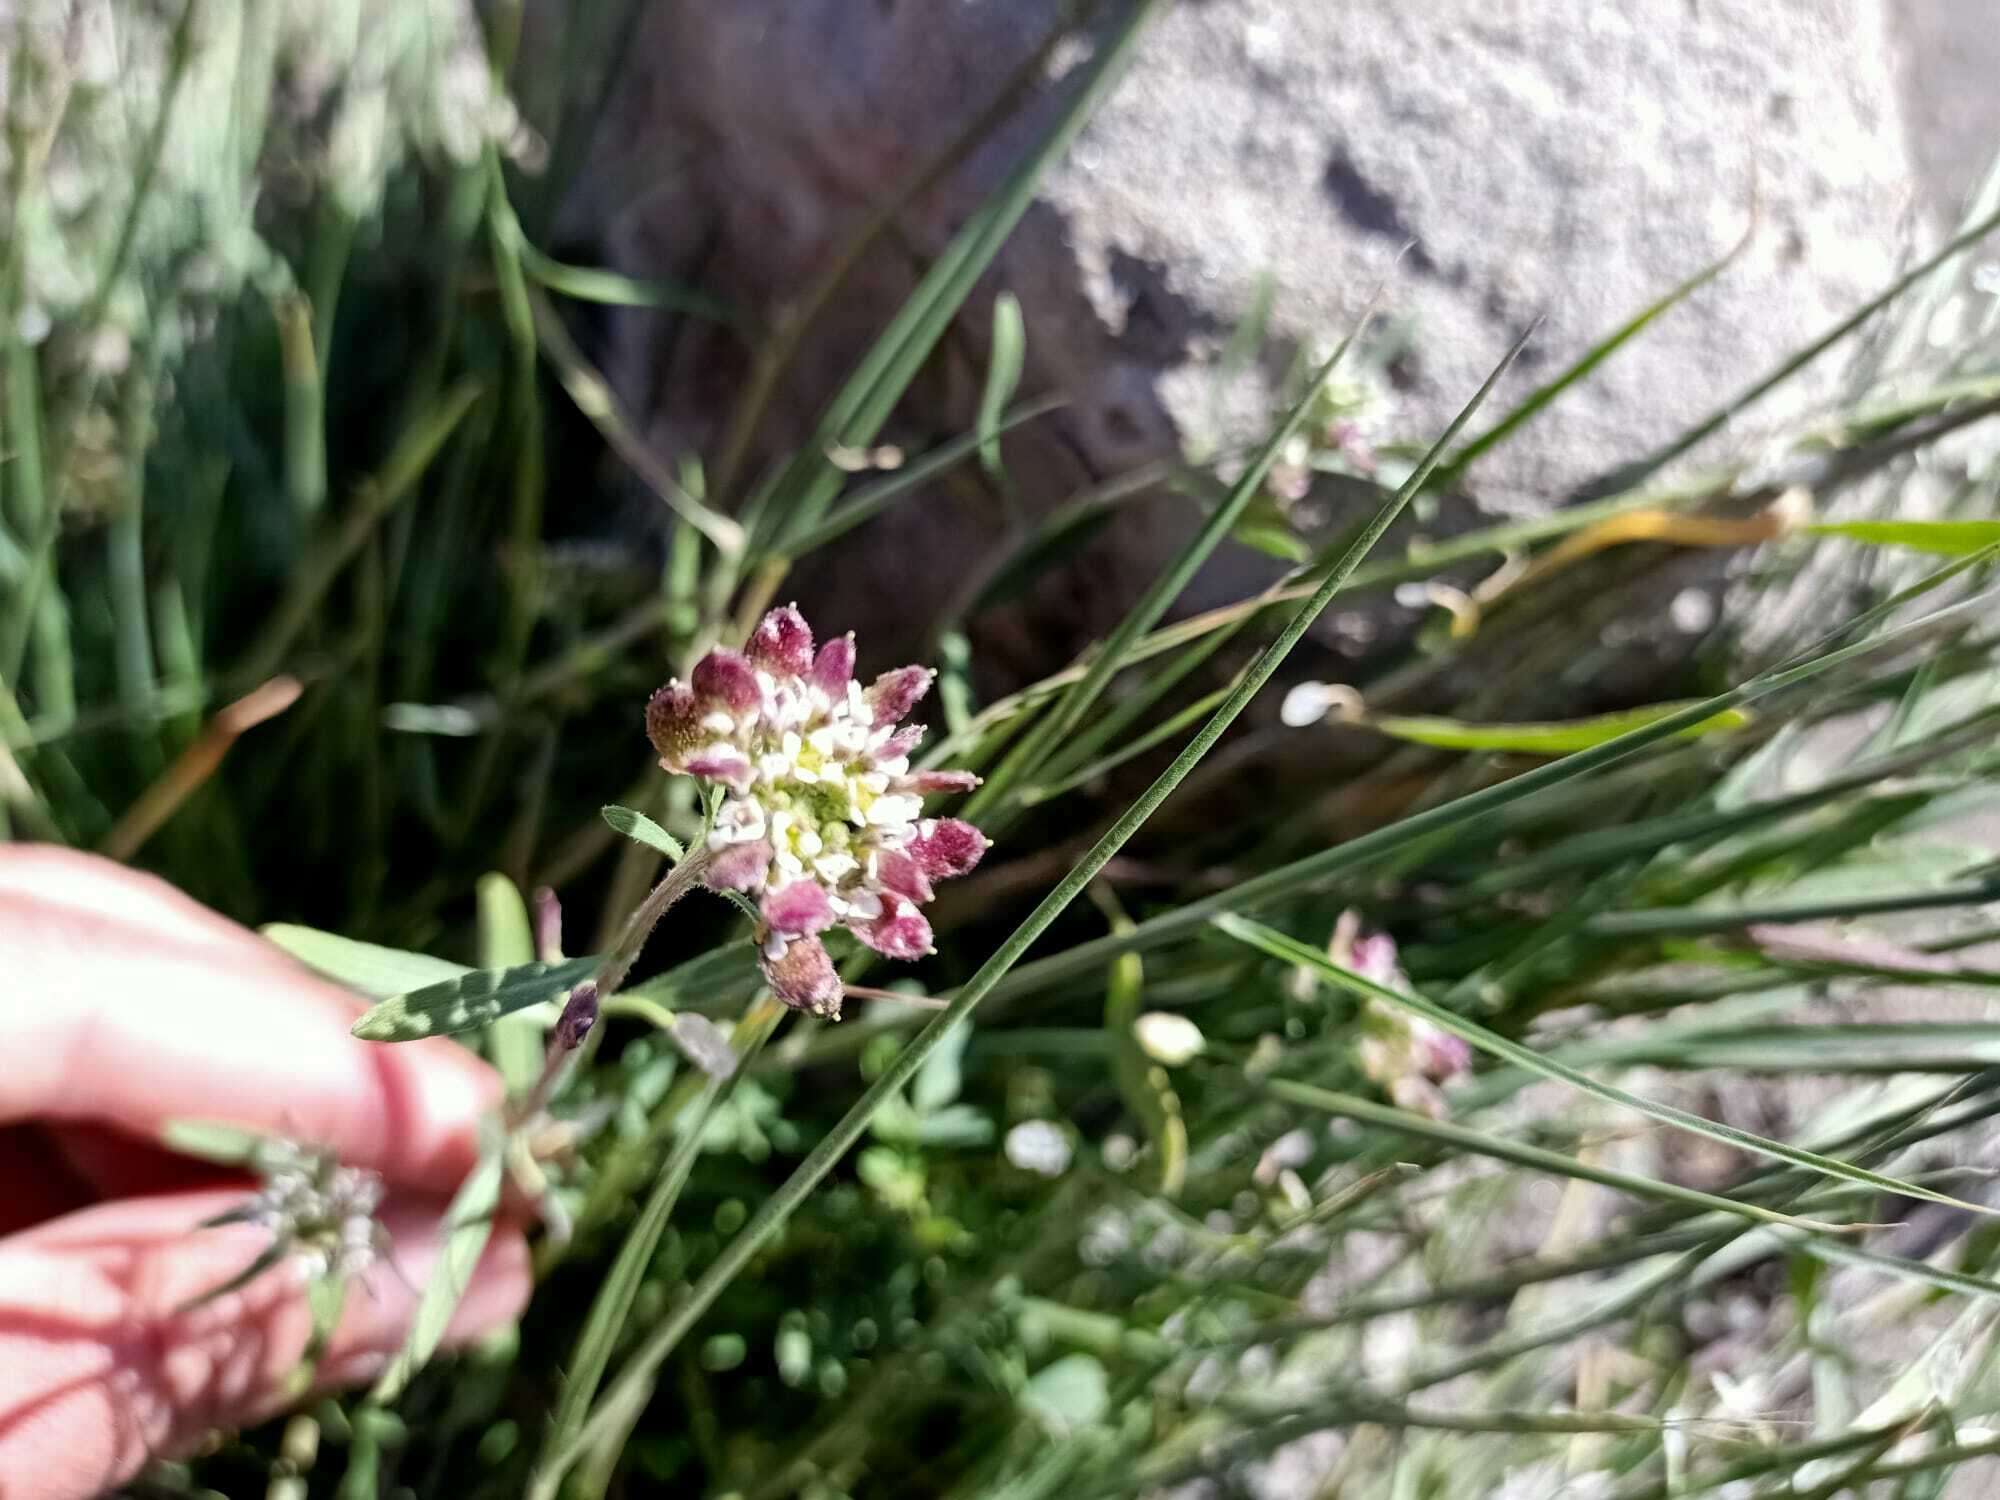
[[104, 1364]]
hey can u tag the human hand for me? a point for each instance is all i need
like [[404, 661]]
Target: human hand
[[124, 1006]]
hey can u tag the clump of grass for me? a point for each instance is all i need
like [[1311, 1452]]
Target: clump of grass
[[1387, 1132]]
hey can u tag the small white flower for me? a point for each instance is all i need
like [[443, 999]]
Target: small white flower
[[1169, 1039]]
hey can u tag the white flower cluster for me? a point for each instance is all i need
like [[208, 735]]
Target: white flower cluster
[[323, 1210], [822, 817]]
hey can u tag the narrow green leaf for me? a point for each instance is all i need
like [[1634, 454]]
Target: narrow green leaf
[[1545, 395], [590, 284], [1278, 945], [643, 830], [1939, 538], [1629, 476], [611, 1309], [507, 940], [870, 500], [1519, 1153], [1056, 727], [1555, 738], [468, 1224], [474, 998], [211, 1140], [1003, 377], [1682, 922], [857, 412], [1359, 852], [364, 967]]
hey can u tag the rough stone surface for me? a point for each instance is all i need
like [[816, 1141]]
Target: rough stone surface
[[1572, 160]]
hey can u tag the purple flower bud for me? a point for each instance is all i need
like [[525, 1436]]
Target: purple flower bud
[[782, 643], [739, 867], [727, 678], [902, 876], [803, 977], [723, 763], [903, 741], [672, 723], [579, 1014], [944, 781], [945, 847], [894, 694], [899, 933], [798, 909], [833, 668]]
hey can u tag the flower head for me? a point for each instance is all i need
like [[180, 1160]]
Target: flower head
[[319, 1213], [1405, 1055], [822, 822]]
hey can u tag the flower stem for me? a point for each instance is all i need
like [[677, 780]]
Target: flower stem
[[681, 879]]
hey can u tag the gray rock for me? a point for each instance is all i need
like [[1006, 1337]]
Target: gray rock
[[1572, 160]]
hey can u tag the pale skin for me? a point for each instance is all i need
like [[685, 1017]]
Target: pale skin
[[124, 1006]]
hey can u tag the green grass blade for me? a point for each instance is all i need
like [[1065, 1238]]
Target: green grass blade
[[1058, 724], [854, 418], [1003, 378], [588, 284], [1276, 944], [507, 940], [1939, 538], [1519, 1153], [475, 998], [870, 500], [468, 1225], [1559, 738], [1357, 853], [1629, 475], [1684, 923], [782, 1203], [1544, 395], [611, 1310]]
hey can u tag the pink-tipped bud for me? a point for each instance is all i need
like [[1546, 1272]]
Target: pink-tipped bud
[[673, 723], [548, 926], [902, 742], [927, 782], [833, 668], [804, 978], [739, 867], [723, 763], [782, 643], [727, 678], [945, 847], [902, 933], [894, 694], [798, 909], [902, 876]]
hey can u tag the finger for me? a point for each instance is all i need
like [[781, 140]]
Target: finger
[[104, 1366], [134, 1012], [127, 898]]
